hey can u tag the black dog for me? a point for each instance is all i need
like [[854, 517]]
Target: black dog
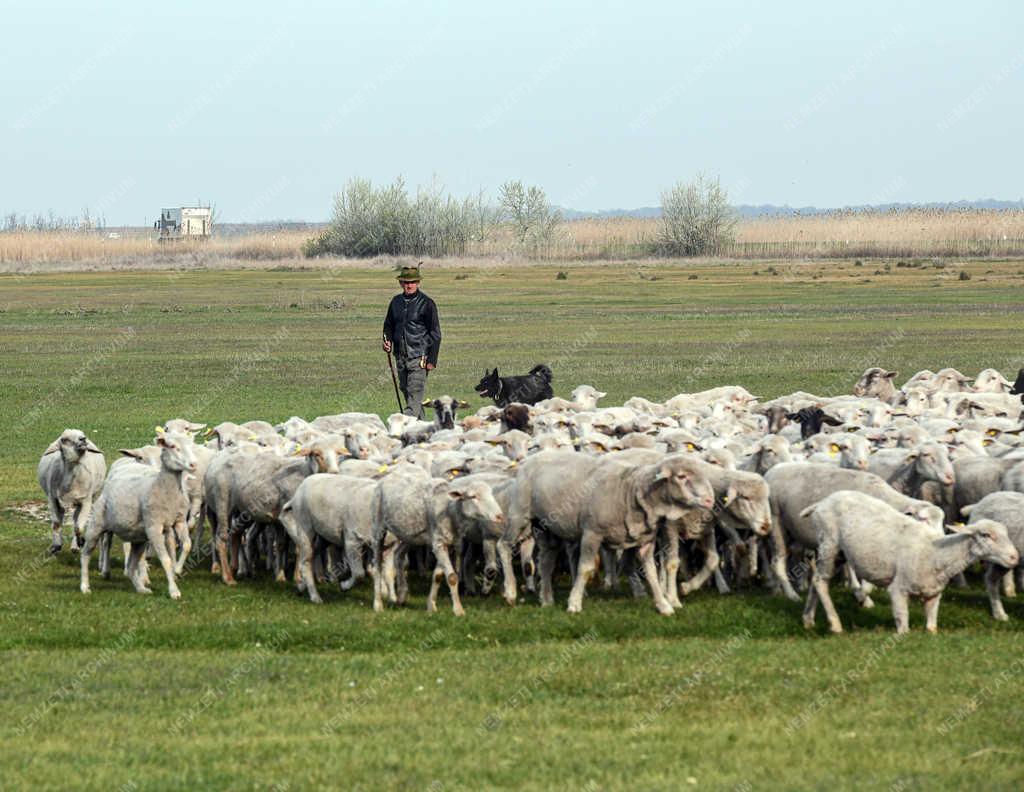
[[528, 389], [1018, 386]]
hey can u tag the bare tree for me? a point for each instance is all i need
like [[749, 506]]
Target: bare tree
[[696, 218], [534, 221]]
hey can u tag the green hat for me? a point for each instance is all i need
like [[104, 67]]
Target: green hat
[[409, 275]]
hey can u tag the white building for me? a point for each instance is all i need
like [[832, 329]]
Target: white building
[[186, 222]]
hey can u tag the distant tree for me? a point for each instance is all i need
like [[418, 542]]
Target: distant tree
[[534, 221], [696, 218], [371, 221]]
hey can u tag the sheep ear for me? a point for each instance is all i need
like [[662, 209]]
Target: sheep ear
[[426, 402], [958, 528], [462, 404], [161, 441], [54, 446], [210, 430], [303, 452], [91, 446], [130, 452], [831, 421], [730, 495], [195, 427], [890, 374], [913, 455]]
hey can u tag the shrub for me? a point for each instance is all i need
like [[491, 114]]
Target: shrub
[[964, 275], [562, 275], [370, 221], [696, 219]]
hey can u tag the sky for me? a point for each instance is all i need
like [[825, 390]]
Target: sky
[[267, 110]]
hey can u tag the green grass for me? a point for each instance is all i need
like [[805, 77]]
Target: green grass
[[254, 687]]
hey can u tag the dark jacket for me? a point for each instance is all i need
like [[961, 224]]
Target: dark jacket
[[413, 326]]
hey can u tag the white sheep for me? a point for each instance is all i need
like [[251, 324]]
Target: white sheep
[[71, 473], [144, 505], [890, 549]]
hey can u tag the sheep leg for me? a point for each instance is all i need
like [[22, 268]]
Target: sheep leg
[[304, 553], [106, 539], [444, 563], [589, 547], [633, 574], [508, 571], [526, 548], [468, 568], [823, 572], [490, 548], [993, 574], [710, 564], [135, 556], [548, 548], [280, 547], [859, 588], [81, 519], [1009, 584], [720, 582], [646, 555], [226, 573], [779, 559], [126, 551], [670, 565], [91, 538], [158, 541], [811, 606], [198, 522], [931, 613], [397, 572], [611, 573], [378, 566], [56, 522], [354, 559], [900, 609], [752, 556], [185, 538]]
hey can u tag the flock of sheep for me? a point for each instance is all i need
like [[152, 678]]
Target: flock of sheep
[[710, 488]]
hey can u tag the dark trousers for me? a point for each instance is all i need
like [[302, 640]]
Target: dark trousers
[[412, 381]]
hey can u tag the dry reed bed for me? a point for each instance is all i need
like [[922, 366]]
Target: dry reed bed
[[913, 233]]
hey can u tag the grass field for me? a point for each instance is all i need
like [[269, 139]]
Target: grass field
[[255, 688]]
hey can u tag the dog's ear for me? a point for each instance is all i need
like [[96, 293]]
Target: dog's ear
[[495, 371]]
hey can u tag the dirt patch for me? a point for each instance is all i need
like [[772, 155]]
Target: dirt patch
[[30, 510]]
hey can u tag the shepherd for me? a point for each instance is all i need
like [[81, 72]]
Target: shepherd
[[412, 331]]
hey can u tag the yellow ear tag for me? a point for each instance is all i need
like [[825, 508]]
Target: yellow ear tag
[[690, 447], [513, 463], [833, 450], [992, 432], [725, 500], [298, 446], [382, 469], [253, 437], [159, 429], [986, 442]]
